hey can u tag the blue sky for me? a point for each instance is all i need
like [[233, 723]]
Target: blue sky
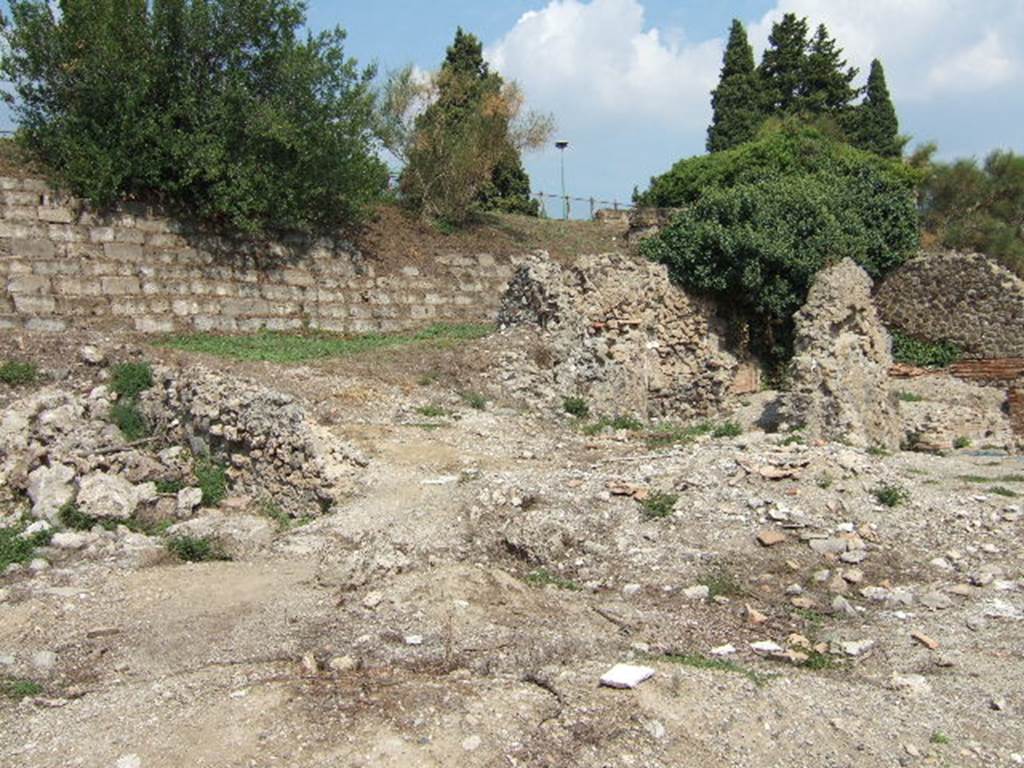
[[628, 81]]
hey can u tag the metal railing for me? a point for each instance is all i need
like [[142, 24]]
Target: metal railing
[[567, 201]]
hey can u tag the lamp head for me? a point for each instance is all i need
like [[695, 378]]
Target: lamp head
[[561, 144]]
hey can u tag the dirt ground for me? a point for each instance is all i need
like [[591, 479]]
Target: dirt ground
[[460, 608]]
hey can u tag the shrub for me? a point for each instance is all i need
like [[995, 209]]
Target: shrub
[[131, 379], [924, 354], [169, 486], [129, 419], [15, 548], [962, 442], [18, 374], [727, 429], [214, 105], [475, 400], [659, 505], [759, 221], [73, 518], [891, 495], [195, 549], [576, 406], [212, 480]]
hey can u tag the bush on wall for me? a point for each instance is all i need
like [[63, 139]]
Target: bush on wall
[[759, 221], [215, 106]]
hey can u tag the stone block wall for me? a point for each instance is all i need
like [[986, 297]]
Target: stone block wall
[[65, 267], [965, 298]]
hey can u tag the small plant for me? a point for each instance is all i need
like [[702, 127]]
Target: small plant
[[824, 481], [924, 354], [720, 583], [72, 518], [659, 505], [665, 435], [909, 397], [196, 549], [18, 374], [891, 495], [433, 412], [129, 380], [475, 400], [129, 419], [20, 689], [818, 661], [212, 480], [1006, 492], [169, 486], [542, 577], [793, 439], [616, 423], [939, 738], [15, 548], [962, 442], [576, 406], [727, 429], [877, 451]]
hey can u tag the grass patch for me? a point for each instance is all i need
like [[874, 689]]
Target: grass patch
[[939, 738], [17, 549], [129, 380], [909, 397], [999, 479], [276, 347], [794, 439], [196, 549], [129, 419], [819, 662], [169, 486], [727, 429], [891, 495], [434, 412], [1001, 491], [20, 689], [824, 481], [696, 661], [284, 521], [924, 354], [475, 400], [616, 423], [962, 442], [658, 505], [720, 583], [542, 577], [576, 406], [212, 480], [665, 435], [74, 519], [877, 451], [18, 374]]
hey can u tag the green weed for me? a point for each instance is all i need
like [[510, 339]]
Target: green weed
[[1001, 491], [212, 480], [129, 419], [727, 429], [18, 374], [475, 400], [542, 577], [576, 406], [891, 495], [129, 380], [433, 412], [720, 583], [962, 442], [20, 689], [659, 505], [169, 486], [909, 397], [697, 661], [196, 549]]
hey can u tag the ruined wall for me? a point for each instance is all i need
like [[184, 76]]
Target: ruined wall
[[964, 298], [62, 267]]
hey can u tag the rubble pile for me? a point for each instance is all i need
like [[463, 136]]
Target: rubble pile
[[614, 331], [273, 449]]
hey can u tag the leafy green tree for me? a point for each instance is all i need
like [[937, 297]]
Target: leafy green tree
[[759, 221], [217, 107], [874, 125], [736, 102], [978, 208], [783, 66], [827, 86]]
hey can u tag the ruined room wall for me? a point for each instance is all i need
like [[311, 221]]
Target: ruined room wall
[[965, 298], [63, 267]]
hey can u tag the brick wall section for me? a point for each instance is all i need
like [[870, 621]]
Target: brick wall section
[[64, 267], [964, 298]]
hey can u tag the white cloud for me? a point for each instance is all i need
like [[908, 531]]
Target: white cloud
[[599, 57]]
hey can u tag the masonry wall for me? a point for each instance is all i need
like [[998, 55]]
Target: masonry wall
[[964, 298], [64, 267]]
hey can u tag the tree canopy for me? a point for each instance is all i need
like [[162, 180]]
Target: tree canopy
[[736, 102], [216, 106]]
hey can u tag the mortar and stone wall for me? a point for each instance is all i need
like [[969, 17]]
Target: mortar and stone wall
[[65, 267], [967, 299]]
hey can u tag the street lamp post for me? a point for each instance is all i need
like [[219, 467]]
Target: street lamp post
[[562, 146]]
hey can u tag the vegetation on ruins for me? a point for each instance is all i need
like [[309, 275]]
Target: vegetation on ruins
[[458, 134], [759, 221], [218, 107]]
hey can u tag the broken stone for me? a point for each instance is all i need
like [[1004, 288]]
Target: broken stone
[[699, 592], [771, 538], [109, 497], [626, 676], [936, 601], [856, 647], [924, 640], [187, 500], [341, 664], [828, 546], [766, 646], [915, 685], [50, 488], [723, 650]]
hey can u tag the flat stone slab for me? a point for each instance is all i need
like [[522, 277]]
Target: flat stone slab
[[626, 676]]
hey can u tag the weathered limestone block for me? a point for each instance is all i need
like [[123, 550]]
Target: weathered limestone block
[[840, 388]]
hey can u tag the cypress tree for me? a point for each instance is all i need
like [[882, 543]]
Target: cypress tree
[[783, 66], [736, 102], [875, 125], [827, 86]]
